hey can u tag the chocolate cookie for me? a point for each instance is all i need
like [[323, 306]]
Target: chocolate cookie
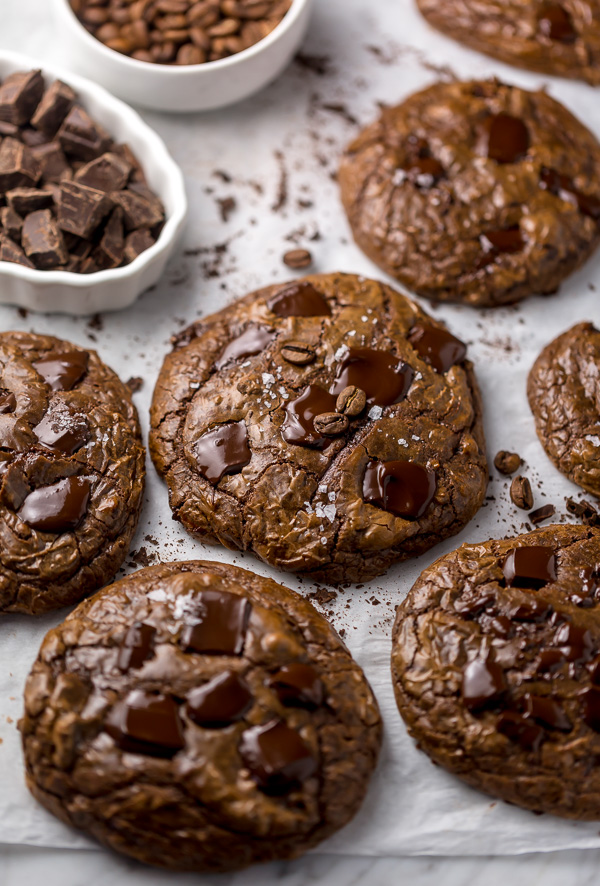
[[328, 425], [564, 396], [199, 717], [496, 667], [475, 192], [554, 38], [71, 472]]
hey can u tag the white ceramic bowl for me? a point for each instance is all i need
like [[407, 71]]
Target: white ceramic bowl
[[189, 87], [68, 293]]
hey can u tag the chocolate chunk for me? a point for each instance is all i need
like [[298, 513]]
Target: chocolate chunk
[[299, 300], [384, 378], [220, 702], [11, 251], [19, 96], [507, 462], [585, 511], [535, 610], [26, 200], [136, 243], [520, 730], [590, 699], [11, 222], [497, 242], [42, 240], [8, 402], [9, 129], [556, 23], [221, 625], [18, 166], [564, 188], [423, 169], [224, 450], [138, 646], [298, 685], [550, 660], [52, 161], [541, 514], [107, 173], [297, 259], [62, 432], [483, 684], [330, 424], [146, 723], [80, 137], [253, 340], [546, 711], [521, 494], [351, 401], [81, 209], [57, 508], [138, 212], [54, 106], [298, 353], [530, 567], [298, 427], [61, 370], [508, 139], [402, 487], [109, 252], [438, 347], [32, 138], [126, 154], [277, 757], [576, 643]]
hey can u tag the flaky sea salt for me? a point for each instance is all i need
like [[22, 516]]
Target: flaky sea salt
[[375, 412]]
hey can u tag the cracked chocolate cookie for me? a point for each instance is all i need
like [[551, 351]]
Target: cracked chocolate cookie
[[554, 38], [72, 468], [199, 717], [328, 425], [496, 667], [564, 395], [475, 192]]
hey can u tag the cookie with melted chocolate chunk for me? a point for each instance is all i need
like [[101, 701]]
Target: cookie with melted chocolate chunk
[[496, 667], [199, 717], [71, 472], [330, 426], [555, 38], [564, 397], [475, 192]]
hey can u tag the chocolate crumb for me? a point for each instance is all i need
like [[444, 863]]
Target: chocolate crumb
[[541, 514], [226, 206], [134, 383], [585, 511], [96, 322]]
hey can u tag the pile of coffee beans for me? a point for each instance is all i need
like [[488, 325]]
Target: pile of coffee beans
[[180, 32], [71, 199]]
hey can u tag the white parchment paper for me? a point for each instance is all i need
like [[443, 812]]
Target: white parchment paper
[[276, 155]]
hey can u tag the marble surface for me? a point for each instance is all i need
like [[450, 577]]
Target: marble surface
[[322, 114]]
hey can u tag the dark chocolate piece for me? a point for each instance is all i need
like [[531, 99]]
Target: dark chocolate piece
[[81, 209], [546, 711], [520, 730], [384, 378], [223, 450], [277, 757], [502, 241], [438, 347], [138, 212], [42, 240], [136, 243], [146, 723], [541, 514], [109, 252], [298, 427], [564, 188], [591, 707], [54, 106], [11, 251], [402, 487], [298, 685], [52, 162], [508, 139], [57, 508], [107, 173], [575, 643], [220, 628], [220, 702], [252, 340], [20, 93], [483, 684], [530, 567], [8, 402], [61, 370], [26, 200], [61, 432], [138, 646], [18, 166], [556, 23], [11, 222], [299, 300], [80, 137]]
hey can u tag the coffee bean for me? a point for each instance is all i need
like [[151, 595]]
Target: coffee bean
[[521, 494], [351, 401], [184, 32], [298, 352], [507, 462], [330, 424], [297, 258]]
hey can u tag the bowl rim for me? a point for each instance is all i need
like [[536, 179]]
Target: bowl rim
[[177, 71], [84, 87]]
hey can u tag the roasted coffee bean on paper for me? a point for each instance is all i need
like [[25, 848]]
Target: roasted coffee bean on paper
[[521, 494], [74, 200], [180, 32]]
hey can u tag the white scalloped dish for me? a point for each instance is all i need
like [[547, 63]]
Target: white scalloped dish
[[110, 290]]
